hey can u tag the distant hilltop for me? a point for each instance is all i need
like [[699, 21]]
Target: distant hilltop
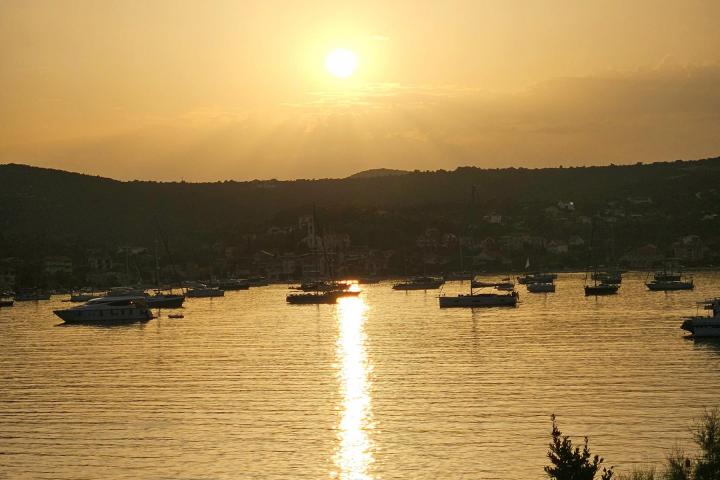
[[378, 172]]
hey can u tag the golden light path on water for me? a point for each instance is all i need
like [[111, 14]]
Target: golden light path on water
[[354, 454]]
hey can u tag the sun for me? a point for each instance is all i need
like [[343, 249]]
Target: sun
[[341, 62]]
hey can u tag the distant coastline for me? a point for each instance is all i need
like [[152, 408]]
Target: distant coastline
[[61, 229]]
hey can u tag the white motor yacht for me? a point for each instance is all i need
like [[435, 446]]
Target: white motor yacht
[[108, 310], [705, 325]]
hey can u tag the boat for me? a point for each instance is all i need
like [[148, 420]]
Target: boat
[[315, 286], [258, 282], [162, 299], [32, 296], [601, 289], [671, 272], [669, 285], [312, 298], [480, 300], [599, 285], [667, 274], [537, 278], [108, 310], [505, 284], [176, 315], [669, 279], [6, 300], [341, 289], [704, 325], [608, 276], [203, 291], [477, 300], [233, 284], [159, 299], [420, 283], [541, 287]]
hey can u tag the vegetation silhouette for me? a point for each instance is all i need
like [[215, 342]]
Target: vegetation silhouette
[[569, 462]]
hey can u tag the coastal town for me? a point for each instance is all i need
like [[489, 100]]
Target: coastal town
[[296, 250]]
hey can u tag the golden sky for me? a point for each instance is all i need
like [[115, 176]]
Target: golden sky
[[219, 89]]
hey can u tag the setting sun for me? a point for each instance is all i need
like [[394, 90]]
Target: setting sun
[[341, 62]]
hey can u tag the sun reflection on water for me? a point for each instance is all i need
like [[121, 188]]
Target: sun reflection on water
[[354, 454]]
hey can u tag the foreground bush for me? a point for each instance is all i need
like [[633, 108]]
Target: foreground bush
[[571, 463]]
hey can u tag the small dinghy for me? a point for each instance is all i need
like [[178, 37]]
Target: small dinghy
[[176, 315]]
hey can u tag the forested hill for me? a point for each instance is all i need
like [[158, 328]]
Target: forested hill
[[57, 206]]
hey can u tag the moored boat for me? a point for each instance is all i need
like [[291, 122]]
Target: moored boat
[[33, 296], [233, 284], [420, 283], [540, 287], [473, 300], [165, 300], [613, 277], [670, 285], [505, 284], [328, 296], [108, 310], [537, 278], [601, 289], [704, 325]]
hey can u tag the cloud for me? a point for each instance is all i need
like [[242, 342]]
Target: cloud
[[663, 113]]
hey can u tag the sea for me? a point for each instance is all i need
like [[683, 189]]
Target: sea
[[383, 386]]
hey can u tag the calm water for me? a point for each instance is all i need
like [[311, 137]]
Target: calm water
[[380, 387]]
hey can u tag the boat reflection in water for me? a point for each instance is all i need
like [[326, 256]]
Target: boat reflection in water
[[354, 455]]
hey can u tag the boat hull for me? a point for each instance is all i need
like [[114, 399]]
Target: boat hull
[[311, 298], [479, 301], [702, 327], [591, 290], [669, 286], [122, 315]]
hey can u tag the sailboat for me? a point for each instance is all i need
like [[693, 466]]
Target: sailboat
[[598, 285], [670, 278], [161, 298], [321, 291], [473, 299], [538, 282]]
